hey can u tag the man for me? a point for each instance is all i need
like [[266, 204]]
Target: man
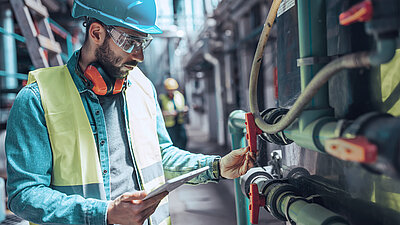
[[86, 141], [174, 111]]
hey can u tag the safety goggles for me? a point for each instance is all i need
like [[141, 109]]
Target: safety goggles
[[126, 42]]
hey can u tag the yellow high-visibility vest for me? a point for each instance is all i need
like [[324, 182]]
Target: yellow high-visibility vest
[[76, 165], [168, 105]]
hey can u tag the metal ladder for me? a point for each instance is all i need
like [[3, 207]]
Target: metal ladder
[[32, 18]]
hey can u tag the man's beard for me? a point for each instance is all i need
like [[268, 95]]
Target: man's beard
[[107, 60]]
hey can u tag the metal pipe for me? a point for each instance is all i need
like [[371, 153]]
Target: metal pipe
[[302, 212], [312, 43], [314, 135], [9, 63], [385, 51], [218, 96], [236, 128]]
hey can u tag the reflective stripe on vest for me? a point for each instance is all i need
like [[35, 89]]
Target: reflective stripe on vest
[[168, 105], [76, 167]]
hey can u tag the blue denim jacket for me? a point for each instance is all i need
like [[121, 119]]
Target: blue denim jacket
[[29, 159]]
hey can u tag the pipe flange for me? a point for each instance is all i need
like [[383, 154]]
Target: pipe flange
[[297, 173], [269, 183], [273, 116], [249, 180], [291, 200], [357, 126], [274, 194]]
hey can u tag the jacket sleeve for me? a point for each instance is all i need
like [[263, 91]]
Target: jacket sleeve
[[29, 170], [177, 161]]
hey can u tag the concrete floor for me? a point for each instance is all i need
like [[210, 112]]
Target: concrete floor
[[207, 204]]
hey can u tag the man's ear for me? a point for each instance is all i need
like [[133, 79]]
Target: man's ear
[[97, 33]]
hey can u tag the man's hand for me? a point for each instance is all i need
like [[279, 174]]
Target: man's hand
[[129, 208], [236, 163]]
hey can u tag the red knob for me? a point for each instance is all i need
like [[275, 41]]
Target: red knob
[[360, 12], [256, 201]]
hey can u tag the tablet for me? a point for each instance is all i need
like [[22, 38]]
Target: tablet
[[173, 183]]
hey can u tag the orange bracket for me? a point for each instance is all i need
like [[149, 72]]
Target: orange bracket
[[252, 132], [360, 12], [357, 149]]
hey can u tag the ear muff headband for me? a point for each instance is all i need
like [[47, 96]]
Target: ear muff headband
[[101, 83]]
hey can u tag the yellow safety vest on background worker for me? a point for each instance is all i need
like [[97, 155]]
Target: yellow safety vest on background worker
[[76, 164], [168, 105]]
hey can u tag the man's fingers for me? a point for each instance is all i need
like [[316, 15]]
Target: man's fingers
[[251, 162], [157, 198], [240, 152], [148, 212], [139, 195], [252, 155], [244, 167], [154, 201]]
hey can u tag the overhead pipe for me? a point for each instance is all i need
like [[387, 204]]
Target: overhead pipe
[[218, 96]]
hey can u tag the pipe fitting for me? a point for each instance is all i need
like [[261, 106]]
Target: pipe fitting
[[385, 51]]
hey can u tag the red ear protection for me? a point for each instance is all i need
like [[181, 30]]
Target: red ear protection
[[101, 84]]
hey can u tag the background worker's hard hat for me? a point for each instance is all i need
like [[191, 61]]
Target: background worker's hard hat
[[171, 84], [139, 15]]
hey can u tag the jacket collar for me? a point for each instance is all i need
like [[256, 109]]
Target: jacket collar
[[76, 72]]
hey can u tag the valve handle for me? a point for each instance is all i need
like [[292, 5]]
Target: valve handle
[[256, 201], [360, 12], [252, 132]]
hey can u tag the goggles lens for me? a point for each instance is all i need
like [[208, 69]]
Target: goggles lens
[[126, 42]]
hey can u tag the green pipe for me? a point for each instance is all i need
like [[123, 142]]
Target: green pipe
[[20, 76], [236, 126], [70, 46], [385, 50], [314, 135], [14, 35], [9, 55], [305, 213], [312, 43]]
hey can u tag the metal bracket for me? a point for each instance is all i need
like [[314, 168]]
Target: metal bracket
[[308, 61]]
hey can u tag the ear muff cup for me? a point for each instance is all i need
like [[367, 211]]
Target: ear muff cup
[[101, 84]]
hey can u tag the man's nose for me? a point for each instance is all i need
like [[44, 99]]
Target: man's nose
[[137, 55]]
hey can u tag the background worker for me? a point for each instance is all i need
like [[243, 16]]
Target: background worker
[[174, 112], [86, 141]]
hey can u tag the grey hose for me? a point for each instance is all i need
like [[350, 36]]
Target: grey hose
[[350, 61]]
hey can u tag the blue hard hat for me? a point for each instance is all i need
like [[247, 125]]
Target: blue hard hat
[[139, 15]]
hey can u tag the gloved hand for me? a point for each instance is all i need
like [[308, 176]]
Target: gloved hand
[[237, 163]]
